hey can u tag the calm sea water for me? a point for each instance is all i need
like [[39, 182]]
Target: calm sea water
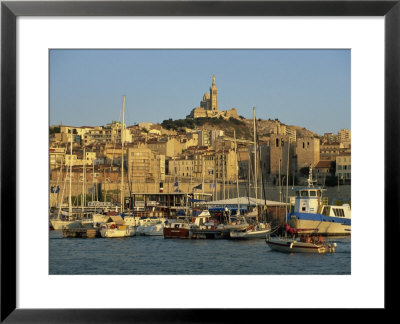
[[158, 256]]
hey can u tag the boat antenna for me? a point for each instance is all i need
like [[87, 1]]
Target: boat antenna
[[310, 180]]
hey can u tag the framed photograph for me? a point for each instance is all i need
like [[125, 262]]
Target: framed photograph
[[319, 76]]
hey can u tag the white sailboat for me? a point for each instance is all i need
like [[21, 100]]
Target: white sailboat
[[113, 229], [65, 219], [258, 230]]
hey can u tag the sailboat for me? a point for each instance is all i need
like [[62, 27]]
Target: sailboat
[[65, 219], [259, 229], [114, 229]]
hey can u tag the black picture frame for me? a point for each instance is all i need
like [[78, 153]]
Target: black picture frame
[[10, 10]]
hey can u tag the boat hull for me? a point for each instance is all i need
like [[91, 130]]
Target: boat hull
[[256, 234], [110, 232], [176, 232], [316, 223], [59, 225], [292, 246], [210, 234], [155, 230]]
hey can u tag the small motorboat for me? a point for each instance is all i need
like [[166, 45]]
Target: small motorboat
[[306, 244], [116, 230], [252, 232]]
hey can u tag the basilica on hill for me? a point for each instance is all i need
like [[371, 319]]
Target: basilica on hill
[[209, 106]]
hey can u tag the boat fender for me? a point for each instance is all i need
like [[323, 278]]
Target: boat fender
[[251, 227], [291, 245]]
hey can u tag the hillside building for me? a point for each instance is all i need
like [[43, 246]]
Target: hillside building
[[209, 106]]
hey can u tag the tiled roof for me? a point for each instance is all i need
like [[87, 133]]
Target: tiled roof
[[323, 164]]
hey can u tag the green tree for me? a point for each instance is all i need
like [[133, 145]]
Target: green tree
[[332, 169]]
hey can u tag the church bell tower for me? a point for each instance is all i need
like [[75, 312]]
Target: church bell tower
[[213, 95]]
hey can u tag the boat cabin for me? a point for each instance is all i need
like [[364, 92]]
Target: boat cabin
[[308, 200], [343, 211]]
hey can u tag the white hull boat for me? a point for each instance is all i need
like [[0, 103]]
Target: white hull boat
[[250, 233], [59, 224], [313, 215], [113, 230], [291, 245], [155, 230]]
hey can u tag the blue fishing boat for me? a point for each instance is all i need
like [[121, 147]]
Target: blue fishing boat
[[313, 215]]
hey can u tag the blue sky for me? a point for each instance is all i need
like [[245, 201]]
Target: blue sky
[[307, 88]]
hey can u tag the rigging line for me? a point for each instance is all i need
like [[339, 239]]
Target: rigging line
[[62, 194]]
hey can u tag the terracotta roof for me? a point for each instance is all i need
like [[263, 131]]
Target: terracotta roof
[[323, 164]]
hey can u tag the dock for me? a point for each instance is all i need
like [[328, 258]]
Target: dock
[[80, 232]]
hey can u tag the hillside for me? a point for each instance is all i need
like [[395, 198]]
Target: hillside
[[243, 127]]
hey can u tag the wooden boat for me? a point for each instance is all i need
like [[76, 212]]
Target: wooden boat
[[293, 245], [178, 230]]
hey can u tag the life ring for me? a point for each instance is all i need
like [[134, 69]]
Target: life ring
[[251, 227], [113, 226]]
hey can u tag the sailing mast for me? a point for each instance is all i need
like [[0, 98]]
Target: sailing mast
[[255, 159], [70, 179], [287, 177], [122, 154], [237, 175], [83, 180], [223, 169]]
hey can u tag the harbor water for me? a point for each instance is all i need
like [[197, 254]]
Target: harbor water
[[151, 255]]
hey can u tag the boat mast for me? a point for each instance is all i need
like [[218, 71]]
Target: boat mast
[[202, 183], [215, 167], [122, 154], [223, 168], [83, 180], [287, 178], [70, 179], [255, 159], [237, 174]]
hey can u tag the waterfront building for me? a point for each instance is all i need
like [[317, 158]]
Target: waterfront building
[[343, 167], [330, 150], [281, 153], [344, 136], [111, 133], [165, 146], [146, 170], [113, 152], [322, 171], [307, 151], [181, 166], [56, 157]]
